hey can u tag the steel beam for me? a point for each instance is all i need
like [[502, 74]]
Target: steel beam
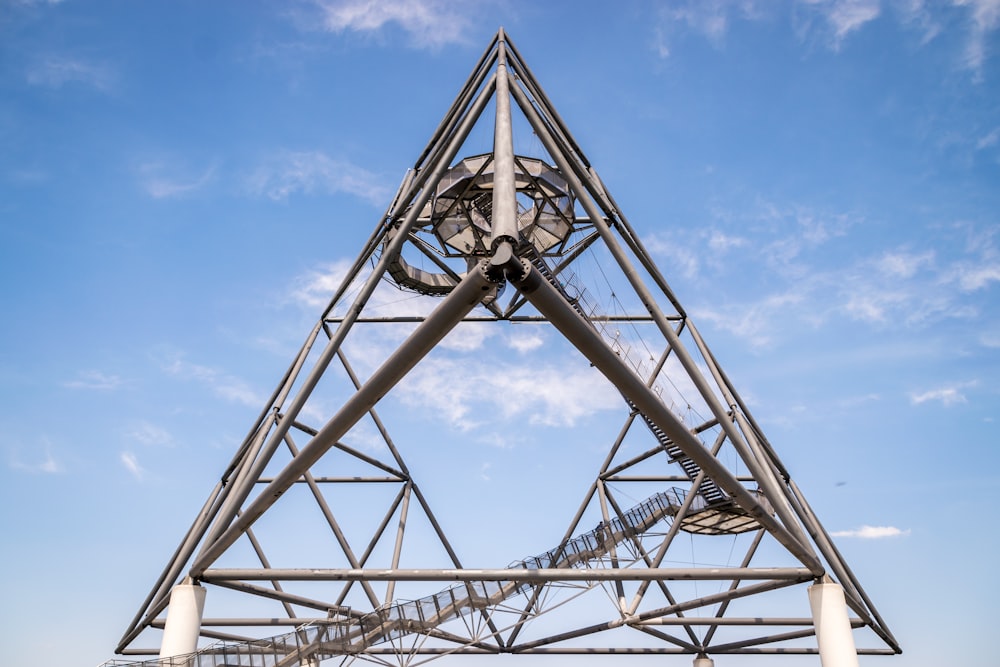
[[225, 521], [540, 575], [504, 221], [445, 317], [547, 299], [790, 534]]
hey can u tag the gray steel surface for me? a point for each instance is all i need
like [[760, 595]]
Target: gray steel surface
[[510, 275]]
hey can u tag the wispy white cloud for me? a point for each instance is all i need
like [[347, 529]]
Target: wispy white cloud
[[949, 276], [48, 465], [988, 140], [161, 181], [676, 252], [973, 276], [709, 18], [857, 401], [32, 3], [753, 321], [468, 336], [721, 242], [984, 19], [26, 176], [363, 435], [947, 395], [59, 71], [149, 434], [430, 23], [500, 439], [228, 387], [918, 287], [543, 395], [990, 339], [131, 463], [845, 16], [95, 380], [314, 288], [918, 14], [712, 19], [525, 343], [833, 21], [904, 264], [874, 305], [872, 532], [311, 172]]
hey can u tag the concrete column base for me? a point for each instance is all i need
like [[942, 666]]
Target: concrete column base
[[183, 625], [833, 625]]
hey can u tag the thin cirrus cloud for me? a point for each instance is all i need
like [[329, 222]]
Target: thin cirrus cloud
[[49, 465], [59, 71], [161, 181], [984, 18], [837, 19], [314, 172], [429, 23], [94, 380], [946, 277], [947, 395], [845, 16], [546, 395], [872, 532], [228, 387], [131, 463], [149, 435], [712, 19], [313, 290], [279, 177]]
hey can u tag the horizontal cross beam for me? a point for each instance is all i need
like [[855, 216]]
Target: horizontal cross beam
[[541, 575]]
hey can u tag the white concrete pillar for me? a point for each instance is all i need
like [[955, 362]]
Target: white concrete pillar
[[180, 633], [833, 625], [703, 661]]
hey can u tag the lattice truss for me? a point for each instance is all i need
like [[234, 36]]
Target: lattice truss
[[319, 543]]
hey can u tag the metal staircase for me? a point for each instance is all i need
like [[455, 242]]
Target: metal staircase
[[307, 645], [708, 489]]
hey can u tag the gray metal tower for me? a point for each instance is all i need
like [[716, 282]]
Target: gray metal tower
[[312, 549]]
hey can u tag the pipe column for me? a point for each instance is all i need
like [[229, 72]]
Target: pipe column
[[183, 624], [703, 661], [504, 220], [833, 626]]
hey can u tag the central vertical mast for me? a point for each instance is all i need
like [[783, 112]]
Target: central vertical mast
[[504, 223]]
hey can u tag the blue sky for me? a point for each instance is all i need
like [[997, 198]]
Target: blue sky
[[180, 184]]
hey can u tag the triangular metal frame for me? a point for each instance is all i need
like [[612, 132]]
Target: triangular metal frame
[[463, 218]]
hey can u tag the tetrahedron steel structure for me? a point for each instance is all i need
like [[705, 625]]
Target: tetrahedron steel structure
[[312, 547]]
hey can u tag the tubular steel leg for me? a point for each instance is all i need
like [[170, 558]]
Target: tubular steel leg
[[577, 331], [791, 527], [504, 223], [437, 325]]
